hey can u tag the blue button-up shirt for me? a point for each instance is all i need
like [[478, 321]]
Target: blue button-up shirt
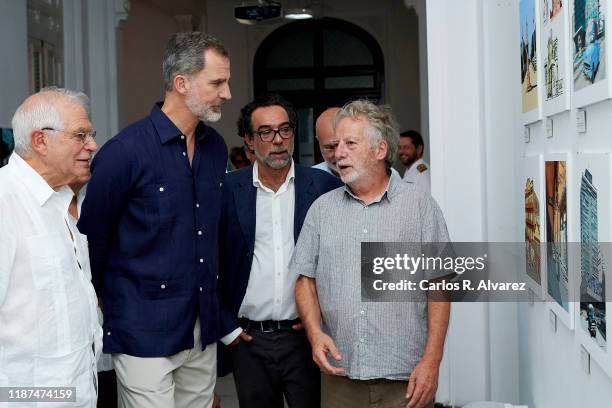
[[151, 219]]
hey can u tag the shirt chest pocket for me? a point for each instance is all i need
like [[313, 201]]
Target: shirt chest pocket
[[159, 203], [50, 260]]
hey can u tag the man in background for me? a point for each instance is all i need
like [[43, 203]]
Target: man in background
[[327, 141], [264, 206], [410, 153]]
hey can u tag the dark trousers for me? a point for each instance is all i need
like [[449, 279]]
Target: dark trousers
[[107, 389], [274, 365]]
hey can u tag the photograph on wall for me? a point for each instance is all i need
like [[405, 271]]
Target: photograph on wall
[[554, 46], [557, 277], [532, 231], [7, 144], [529, 63], [594, 191], [589, 53], [535, 251], [589, 39]]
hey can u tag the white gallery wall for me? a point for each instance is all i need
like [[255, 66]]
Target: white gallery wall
[[14, 51], [477, 134]]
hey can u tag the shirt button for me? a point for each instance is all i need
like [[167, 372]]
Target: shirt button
[[163, 286], [108, 333], [182, 137], [365, 231], [362, 312], [161, 189], [201, 260], [184, 154], [221, 184], [200, 288], [199, 232], [197, 205], [362, 340]]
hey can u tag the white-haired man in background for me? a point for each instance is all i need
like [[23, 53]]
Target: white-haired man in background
[[49, 336]]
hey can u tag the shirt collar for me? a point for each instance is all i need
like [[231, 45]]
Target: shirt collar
[[166, 129], [38, 186], [389, 193], [258, 184], [33, 181]]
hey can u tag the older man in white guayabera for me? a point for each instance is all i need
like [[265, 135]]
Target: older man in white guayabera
[[49, 336], [376, 359]]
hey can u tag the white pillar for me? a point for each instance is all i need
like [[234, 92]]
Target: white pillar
[[101, 73], [458, 178]]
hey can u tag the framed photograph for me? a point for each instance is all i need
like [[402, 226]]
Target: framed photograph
[[590, 57], [554, 40], [593, 171], [530, 91], [535, 250], [7, 144], [559, 232]]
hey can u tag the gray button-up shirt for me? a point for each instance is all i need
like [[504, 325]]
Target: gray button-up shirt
[[376, 339]]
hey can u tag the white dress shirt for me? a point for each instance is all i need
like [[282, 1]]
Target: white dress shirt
[[270, 291], [417, 177], [105, 362], [49, 333]]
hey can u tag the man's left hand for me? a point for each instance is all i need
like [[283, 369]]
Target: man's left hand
[[423, 384]]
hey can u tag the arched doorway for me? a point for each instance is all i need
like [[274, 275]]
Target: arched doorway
[[316, 64]]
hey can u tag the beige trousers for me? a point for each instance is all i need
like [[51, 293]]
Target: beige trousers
[[184, 380], [342, 392]]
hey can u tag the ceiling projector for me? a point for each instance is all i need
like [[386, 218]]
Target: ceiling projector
[[257, 11]]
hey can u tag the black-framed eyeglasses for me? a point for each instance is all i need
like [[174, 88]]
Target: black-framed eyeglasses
[[84, 137], [268, 134]]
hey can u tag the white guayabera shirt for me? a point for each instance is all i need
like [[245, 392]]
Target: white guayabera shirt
[[49, 331]]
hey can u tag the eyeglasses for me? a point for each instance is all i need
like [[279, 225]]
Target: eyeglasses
[[268, 134], [83, 137]]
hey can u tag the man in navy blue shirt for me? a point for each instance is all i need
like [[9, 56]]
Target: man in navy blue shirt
[[151, 216]]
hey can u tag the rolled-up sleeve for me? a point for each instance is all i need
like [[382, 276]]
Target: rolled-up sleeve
[[306, 254]]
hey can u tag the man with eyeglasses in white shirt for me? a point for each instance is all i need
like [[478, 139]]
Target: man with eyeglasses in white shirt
[[264, 206], [49, 336]]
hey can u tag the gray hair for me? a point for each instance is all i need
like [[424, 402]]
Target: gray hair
[[40, 111], [381, 124], [184, 55]]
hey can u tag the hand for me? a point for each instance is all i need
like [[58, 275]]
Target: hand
[[423, 384], [216, 401], [242, 336], [298, 326], [321, 345]]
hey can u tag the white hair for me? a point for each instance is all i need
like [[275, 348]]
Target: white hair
[[41, 112]]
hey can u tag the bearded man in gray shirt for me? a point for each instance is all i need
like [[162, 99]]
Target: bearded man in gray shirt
[[383, 354]]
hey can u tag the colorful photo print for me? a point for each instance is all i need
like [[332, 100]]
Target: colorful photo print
[[556, 232], [553, 31], [7, 144], [532, 231], [589, 43], [594, 229], [529, 64]]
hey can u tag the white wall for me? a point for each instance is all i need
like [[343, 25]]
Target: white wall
[[477, 136], [14, 66]]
